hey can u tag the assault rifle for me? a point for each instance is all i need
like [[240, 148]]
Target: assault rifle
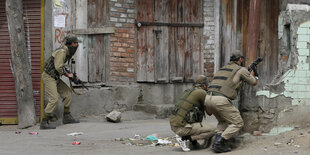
[[253, 65], [75, 79]]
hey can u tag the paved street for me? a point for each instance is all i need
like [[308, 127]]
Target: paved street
[[99, 138]]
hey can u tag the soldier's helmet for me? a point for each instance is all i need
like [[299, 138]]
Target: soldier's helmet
[[201, 80], [235, 55], [71, 39]]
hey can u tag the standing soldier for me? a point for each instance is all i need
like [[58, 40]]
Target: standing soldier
[[186, 120], [224, 88], [53, 69]]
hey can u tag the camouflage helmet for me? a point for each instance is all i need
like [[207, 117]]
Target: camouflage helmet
[[71, 39], [201, 80], [235, 55]]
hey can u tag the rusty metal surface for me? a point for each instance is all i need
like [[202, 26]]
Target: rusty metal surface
[[32, 12]]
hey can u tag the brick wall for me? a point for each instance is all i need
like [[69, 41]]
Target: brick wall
[[122, 56], [208, 37]]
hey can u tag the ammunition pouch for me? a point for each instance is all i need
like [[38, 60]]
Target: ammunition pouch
[[194, 115], [49, 68]]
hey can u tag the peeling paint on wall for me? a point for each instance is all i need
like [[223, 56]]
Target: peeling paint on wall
[[297, 81], [287, 94]]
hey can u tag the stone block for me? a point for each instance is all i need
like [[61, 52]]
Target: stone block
[[288, 93], [303, 52], [304, 67], [308, 73], [302, 30], [303, 37], [305, 24], [301, 44], [302, 59], [301, 74], [114, 116], [295, 102], [288, 87]]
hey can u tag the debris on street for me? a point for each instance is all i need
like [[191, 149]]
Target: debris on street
[[150, 140], [75, 133], [114, 116], [33, 133], [76, 143]]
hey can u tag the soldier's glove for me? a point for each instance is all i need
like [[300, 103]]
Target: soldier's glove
[[75, 80]]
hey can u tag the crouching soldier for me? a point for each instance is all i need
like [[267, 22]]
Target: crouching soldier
[[186, 120], [224, 88], [53, 69]]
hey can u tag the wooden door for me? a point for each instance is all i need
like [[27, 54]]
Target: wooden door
[[169, 40]]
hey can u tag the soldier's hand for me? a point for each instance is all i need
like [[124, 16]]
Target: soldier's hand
[[76, 80], [69, 75], [253, 73], [208, 112]]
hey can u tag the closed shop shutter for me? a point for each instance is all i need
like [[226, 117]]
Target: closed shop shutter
[[32, 25]]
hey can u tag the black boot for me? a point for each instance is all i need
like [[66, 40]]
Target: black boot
[[45, 125], [207, 143], [220, 144], [69, 119], [51, 117]]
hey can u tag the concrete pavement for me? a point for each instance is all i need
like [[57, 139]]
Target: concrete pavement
[[98, 138]]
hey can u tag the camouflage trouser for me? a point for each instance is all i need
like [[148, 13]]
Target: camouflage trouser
[[52, 88], [228, 116], [197, 131]]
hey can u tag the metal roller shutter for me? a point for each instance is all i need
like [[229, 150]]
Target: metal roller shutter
[[32, 25]]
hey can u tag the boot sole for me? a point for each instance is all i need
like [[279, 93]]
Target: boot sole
[[219, 150], [70, 122], [43, 128]]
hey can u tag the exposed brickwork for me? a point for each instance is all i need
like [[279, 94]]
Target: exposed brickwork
[[208, 37], [122, 56]]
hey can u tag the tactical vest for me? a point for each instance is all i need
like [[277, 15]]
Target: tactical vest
[[223, 81], [49, 66], [186, 111]]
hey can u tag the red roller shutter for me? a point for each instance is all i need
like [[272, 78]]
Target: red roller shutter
[[32, 25]]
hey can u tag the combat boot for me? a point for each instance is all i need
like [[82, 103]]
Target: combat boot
[[220, 144], [69, 119], [51, 117], [45, 125], [207, 143]]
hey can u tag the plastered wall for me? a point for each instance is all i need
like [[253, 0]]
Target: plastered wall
[[285, 103]]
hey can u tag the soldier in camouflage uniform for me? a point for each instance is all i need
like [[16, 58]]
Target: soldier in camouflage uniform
[[186, 120], [224, 88], [53, 69]]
